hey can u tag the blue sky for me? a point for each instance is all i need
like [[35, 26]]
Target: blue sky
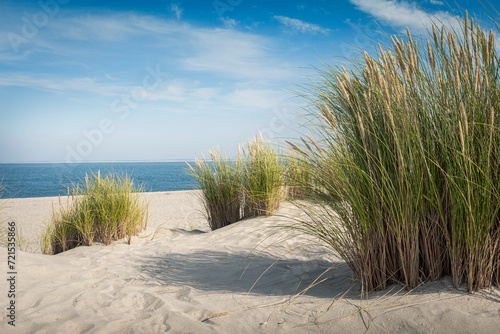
[[157, 80]]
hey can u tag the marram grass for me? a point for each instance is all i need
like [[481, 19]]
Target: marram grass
[[248, 186], [104, 209], [407, 156], [219, 180], [263, 178]]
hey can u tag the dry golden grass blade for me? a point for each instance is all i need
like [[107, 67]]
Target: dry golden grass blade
[[315, 144]]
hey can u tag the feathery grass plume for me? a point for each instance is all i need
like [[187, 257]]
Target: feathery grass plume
[[103, 209], [220, 181], [262, 179], [411, 136]]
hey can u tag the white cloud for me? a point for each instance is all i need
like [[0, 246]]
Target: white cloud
[[170, 92], [174, 90], [101, 28], [98, 28], [300, 26], [59, 84], [182, 91], [228, 22], [240, 55], [174, 8], [400, 13], [190, 96], [256, 98], [110, 77], [105, 56], [204, 93], [236, 55], [436, 2]]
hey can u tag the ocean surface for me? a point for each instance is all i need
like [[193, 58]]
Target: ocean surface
[[52, 179]]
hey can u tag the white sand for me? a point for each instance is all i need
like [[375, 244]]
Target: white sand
[[185, 274]]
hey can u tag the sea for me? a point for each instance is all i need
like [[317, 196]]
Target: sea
[[21, 180]]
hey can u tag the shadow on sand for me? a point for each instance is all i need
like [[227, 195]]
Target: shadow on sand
[[240, 273]]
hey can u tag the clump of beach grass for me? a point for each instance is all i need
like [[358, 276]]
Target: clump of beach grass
[[263, 178], [103, 209], [220, 183], [411, 137], [234, 189]]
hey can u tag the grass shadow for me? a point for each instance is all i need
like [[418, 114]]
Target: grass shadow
[[240, 273]]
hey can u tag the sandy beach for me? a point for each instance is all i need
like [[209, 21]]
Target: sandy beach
[[249, 277]]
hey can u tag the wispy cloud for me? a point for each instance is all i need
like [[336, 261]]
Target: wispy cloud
[[189, 97], [227, 52], [60, 84], [256, 98], [436, 2], [69, 32], [100, 28], [228, 22], [235, 54], [110, 77], [208, 68], [177, 10], [402, 13], [179, 91], [301, 26]]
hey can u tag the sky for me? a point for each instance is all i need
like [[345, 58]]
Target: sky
[[159, 79]]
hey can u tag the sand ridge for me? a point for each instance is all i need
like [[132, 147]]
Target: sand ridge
[[180, 277]]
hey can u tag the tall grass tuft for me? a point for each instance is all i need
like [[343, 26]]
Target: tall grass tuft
[[102, 210], [263, 178], [221, 188], [412, 139], [231, 190]]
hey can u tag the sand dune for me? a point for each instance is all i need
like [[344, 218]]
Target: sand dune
[[180, 277]]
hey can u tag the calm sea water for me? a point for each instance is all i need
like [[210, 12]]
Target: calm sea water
[[52, 179]]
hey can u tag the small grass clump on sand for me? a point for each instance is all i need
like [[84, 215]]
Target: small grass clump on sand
[[221, 188], [263, 178], [102, 210], [412, 139], [251, 185]]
